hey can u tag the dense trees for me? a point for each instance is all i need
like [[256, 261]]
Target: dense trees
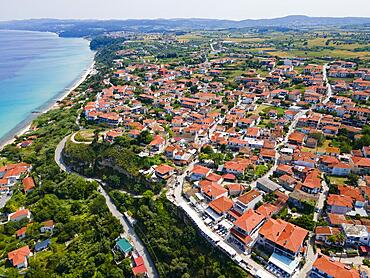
[[85, 229], [176, 247], [116, 164]]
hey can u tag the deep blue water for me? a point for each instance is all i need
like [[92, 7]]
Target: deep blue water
[[35, 68]]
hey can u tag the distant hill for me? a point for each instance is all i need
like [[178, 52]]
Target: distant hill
[[79, 28]]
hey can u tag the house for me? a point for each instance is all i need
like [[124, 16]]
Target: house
[[123, 246], [236, 167], [283, 169], [218, 208], [244, 227], [215, 178], [229, 177], [19, 215], [139, 270], [312, 182], [351, 191], [324, 234], [282, 237], [28, 184], [235, 189], [340, 169], [361, 165], [336, 219], [267, 210], [13, 172], [237, 143], [18, 257], [42, 245], [311, 143], [47, 226], [199, 172], [158, 144], [253, 132], [288, 182], [268, 155], [212, 190], [164, 171], [247, 201], [326, 267], [267, 185], [356, 235], [306, 159], [296, 138], [21, 233], [339, 204]]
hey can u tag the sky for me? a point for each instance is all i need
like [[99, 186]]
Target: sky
[[221, 9]]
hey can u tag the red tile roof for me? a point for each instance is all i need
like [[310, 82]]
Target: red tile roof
[[18, 256], [139, 270], [18, 213], [350, 191], [21, 231], [334, 268], [28, 183], [267, 209], [249, 220], [339, 200], [212, 189], [249, 196], [200, 170], [284, 234], [164, 169], [337, 219], [221, 205]]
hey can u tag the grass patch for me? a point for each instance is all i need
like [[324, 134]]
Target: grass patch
[[85, 135], [325, 145], [337, 180]]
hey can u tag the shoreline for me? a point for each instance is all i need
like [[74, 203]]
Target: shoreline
[[24, 126]]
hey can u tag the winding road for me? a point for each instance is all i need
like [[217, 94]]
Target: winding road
[[129, 230]]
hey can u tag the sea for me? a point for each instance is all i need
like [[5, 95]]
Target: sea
[[36, 68]]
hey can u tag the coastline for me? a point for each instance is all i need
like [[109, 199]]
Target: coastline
[[24, 126]]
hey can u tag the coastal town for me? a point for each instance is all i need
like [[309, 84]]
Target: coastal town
[[267, 157]]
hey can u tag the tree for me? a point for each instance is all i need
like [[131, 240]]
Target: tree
[[353, 179], [145, 137], [207, 150]]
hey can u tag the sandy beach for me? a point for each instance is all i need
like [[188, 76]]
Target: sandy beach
[[25, 125]]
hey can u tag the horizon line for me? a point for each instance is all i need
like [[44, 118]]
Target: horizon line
[[180, 18]]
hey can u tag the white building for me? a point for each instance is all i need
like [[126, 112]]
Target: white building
[[356, 234]]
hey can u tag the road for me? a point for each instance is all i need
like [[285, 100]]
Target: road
[[129, 230], [321, 201], [132, 236], [282, 143], [329, 92], [175, 196], [311, 256]]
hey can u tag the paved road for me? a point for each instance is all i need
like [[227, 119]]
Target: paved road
[[311, 256], [282, 143], [329, 92], [132, 236], [175, 196], [58, 155]]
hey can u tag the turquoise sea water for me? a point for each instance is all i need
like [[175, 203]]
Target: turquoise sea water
[[36, 68]]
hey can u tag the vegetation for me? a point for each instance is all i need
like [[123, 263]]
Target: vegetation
[[176, 247], [85, 229]]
